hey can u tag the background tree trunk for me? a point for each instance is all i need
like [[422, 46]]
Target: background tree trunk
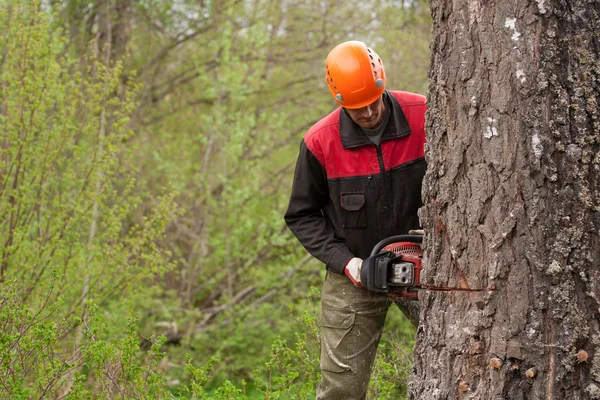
[[512, 202]]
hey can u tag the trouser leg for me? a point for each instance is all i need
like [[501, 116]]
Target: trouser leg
[[410, 309], [352, 320]]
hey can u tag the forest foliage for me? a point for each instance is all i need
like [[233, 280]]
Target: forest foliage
[[146, 154]]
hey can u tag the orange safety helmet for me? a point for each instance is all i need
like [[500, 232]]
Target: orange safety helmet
[[354, 74]]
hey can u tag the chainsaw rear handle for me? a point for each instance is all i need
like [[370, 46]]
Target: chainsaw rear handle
[[393, 239]]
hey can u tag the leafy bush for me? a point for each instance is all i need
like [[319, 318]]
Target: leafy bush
[[73, 267]]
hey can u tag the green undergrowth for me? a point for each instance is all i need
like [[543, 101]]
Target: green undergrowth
[[84, 258]]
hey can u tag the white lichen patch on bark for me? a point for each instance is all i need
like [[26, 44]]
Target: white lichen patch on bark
[[542, 6], [491, 128], [536, 145], [554, 268], [511, 23]]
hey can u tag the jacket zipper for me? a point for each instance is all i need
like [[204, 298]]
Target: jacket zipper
[[386, 193]]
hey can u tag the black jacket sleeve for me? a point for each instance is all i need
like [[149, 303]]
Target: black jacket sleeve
[[305, 217]]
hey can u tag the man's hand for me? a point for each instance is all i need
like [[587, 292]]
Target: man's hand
[[352, 271], [419, 232]]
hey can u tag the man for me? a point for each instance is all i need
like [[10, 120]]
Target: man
[[357, 181]]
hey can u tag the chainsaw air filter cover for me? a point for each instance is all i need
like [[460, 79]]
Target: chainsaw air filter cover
[[405, 249]]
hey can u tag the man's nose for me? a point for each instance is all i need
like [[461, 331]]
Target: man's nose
[[367, 112]]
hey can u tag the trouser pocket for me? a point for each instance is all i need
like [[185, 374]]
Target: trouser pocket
[[338, 345]]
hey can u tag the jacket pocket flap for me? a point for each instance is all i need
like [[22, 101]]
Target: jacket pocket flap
[[352, 201], [341, 319]]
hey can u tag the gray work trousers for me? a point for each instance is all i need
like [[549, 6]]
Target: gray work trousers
[[352, 321]]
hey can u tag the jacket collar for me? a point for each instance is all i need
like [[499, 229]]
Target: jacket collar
[[397, 126]]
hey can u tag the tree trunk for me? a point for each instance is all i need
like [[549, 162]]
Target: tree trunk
[[512, 203], [114, 20]]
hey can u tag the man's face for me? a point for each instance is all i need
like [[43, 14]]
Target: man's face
[[368, 117]]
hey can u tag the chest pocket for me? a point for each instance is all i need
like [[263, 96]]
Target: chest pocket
[[354, 213]]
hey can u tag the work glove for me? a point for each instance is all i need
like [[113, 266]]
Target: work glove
[[352, 271]]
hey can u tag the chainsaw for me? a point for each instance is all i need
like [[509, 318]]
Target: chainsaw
[[394, 268]]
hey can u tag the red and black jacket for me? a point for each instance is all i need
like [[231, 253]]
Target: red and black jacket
[[348, 194]]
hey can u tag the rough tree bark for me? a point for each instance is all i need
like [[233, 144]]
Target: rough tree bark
[[512, 198]]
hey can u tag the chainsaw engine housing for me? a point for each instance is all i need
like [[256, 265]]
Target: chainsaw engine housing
[[394, 267]]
